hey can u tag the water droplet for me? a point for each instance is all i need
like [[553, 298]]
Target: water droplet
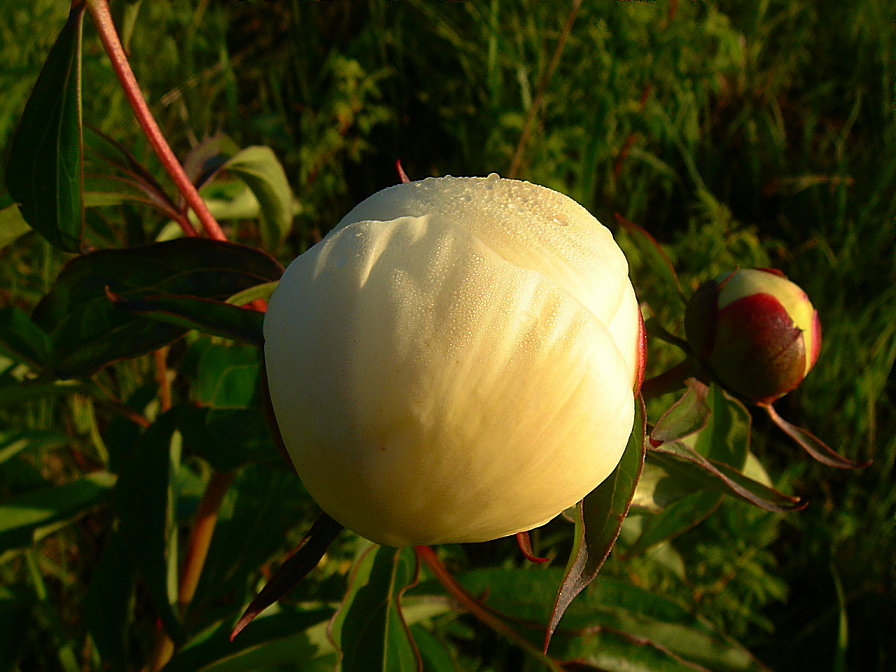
[[560, 220]]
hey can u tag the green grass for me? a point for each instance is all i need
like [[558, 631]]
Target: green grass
[[766, 137]]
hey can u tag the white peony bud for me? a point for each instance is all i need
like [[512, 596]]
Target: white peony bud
[[455, 361]]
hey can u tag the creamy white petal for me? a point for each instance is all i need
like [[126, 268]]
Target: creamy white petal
[[444, 394]]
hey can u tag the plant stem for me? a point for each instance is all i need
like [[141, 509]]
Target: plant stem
[[475, 608], [99, 10]]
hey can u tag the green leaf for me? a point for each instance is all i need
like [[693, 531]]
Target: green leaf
[[22, 518], [107, 609], [369, 629], [599, 519], [260, 509], [88, 331], [253, 294], [229, 438], [305, 558], [21, 339], [642, 618], [683, 464], [726, 441], [144, 503], [44, 170], [12, 225], [686, 416], [259, 168], [286, 640], [229, 376], [210, 317]]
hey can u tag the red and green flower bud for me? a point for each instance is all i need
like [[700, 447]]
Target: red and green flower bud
[[755, 331]]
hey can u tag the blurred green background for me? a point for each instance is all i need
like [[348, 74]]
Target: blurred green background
[[758, 132]]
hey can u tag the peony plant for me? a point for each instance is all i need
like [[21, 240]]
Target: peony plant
[[456, 361]]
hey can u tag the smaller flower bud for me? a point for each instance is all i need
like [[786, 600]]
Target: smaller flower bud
[[756, 331]]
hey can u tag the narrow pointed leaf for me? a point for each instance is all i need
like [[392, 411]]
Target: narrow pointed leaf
[[599, 519], [44, 170], [87, 331], [210, 317], [686, 416], [816, 448], [369, 629], [684, 464], [305, 558]]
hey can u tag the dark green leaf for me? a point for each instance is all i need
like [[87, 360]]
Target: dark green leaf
[[643, 617], [108, 605], [369, 629], [726, 441], [676, 518], [599, 519], [229, 376], [44, 170], [726, 438], [12, 225], [260, 509], [305, 558], [682, 464], [228, 439], [435, 654], [87, 331], [144, 505], [211, 317], [20, 338], [22, 518], [259, 168], [686, 416], [286, 640]]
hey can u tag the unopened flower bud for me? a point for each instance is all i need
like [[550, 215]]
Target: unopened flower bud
[[455, 361], [756, 331]]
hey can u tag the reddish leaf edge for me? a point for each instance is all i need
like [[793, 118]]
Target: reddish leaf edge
[[815, 447], [582, 568], [305, 558]]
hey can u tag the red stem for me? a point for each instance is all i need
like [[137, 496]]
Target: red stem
[[99, 10]]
